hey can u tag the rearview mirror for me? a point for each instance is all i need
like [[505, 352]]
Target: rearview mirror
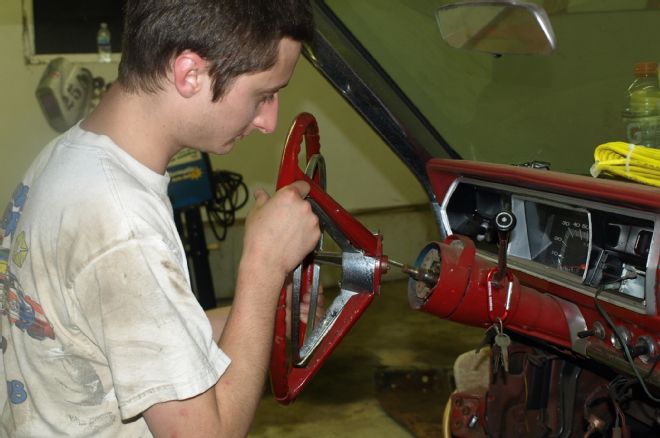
[[498, 27]]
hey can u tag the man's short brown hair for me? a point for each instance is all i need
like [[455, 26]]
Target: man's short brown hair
[[234, 36]]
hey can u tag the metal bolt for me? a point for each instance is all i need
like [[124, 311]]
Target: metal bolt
[[599, 330]]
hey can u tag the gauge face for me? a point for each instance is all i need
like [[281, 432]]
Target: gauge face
[[572, 248], [569, 237]]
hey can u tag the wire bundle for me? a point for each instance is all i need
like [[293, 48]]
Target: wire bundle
[[634, 162], [231, 193]]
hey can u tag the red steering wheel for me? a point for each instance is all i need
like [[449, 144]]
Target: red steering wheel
[[294, 362]]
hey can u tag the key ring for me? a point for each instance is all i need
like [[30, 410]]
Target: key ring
[[491, 296]]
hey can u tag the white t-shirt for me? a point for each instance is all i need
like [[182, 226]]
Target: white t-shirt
[[98, 318]]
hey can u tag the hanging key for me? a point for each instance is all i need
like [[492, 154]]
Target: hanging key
[[489, 337], [502, 340], [497, 359], [495, 349]]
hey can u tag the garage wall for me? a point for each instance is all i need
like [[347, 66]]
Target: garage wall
[[362, 171]]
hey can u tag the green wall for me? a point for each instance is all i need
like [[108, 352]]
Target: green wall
[[514, 109]]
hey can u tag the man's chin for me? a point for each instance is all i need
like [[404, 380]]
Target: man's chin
[[224, 149]]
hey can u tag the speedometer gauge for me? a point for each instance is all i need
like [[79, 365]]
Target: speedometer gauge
[[570, 248], [569, 236]]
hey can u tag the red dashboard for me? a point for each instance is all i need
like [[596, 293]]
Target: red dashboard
[[578, 278]]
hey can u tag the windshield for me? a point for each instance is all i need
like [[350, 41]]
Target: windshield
[[514, 109]]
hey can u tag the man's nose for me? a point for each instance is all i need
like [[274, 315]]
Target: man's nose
[[266, 119]]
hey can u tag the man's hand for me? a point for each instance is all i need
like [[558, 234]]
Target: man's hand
[[281, 230], [304, 307]]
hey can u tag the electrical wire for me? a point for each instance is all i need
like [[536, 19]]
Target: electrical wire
[[624, 345], [655, 363], [230, 194], [603, 393], [618, 390], [630, 161]]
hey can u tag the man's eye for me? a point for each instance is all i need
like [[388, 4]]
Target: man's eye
[[268, 98]]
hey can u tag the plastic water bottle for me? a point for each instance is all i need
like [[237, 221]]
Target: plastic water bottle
[[641, 117], [103, 43]]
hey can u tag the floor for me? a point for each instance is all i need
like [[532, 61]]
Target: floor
[[348, 395]]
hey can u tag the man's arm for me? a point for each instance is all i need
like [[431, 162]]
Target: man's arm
[[279, 232], [218, 315], [218, 319]]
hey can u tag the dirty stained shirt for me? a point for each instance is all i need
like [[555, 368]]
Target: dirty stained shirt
[[98, 318]]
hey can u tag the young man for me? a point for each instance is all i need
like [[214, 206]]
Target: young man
[[102, 335]]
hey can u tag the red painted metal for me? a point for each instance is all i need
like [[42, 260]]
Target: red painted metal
[[461, 295], [465, 408], [615, 192], [303, 127], [287, 380]]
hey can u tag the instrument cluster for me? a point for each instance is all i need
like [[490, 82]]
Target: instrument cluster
[[579, 244]]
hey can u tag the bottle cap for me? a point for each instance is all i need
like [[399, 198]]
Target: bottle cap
[[646, 68]]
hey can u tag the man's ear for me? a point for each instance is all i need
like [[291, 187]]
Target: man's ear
[[189, 73]]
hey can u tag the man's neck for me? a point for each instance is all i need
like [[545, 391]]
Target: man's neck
[[136, 123]]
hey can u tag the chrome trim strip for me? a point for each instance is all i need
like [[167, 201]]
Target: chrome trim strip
[[576, 324]]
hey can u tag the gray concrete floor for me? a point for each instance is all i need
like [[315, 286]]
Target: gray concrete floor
[[340, 400]]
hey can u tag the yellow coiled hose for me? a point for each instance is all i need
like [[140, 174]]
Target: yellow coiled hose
[[638, 163]]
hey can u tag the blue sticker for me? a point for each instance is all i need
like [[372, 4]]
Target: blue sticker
[[16, 391], [12, 213], [9, 222], [20, 195]]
